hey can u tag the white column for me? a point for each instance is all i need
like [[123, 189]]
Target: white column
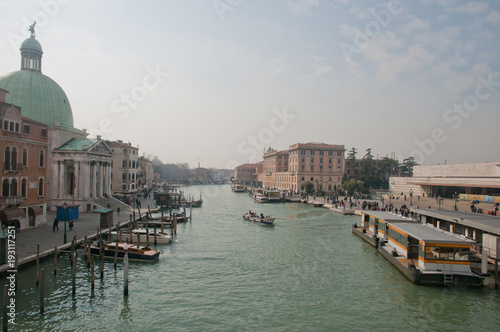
[[94, 186], [76, 179], [109, 179], [62, 188], [55, 178], [101, 179], [86, 176], [81, 179]]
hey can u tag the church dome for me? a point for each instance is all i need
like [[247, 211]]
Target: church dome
[[39, 96]]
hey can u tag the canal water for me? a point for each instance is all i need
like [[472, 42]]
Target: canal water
[[308, 272]]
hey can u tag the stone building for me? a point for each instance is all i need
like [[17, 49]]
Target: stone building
[[125, 169], [146, 173], [319, 163], [249, 174], [24, 146]]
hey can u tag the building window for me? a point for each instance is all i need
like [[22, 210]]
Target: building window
[[40, 187], [321, 153], [124, 163], [24, 187], [124, 187], [5, 125], [320, 160], [330, 153], [312, 168], [321, 168], [42, 158], [5, 188], [339, 154], [303, 152], [25, 157], [43, 132], [17, 128], [13, 187], [312, 153], [13, 158], [312, 178], [6, 158], [312, 159], [303, 168], [302, 178], [339, 161], [330, 160]]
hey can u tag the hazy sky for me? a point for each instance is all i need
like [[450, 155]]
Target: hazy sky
[[217, 81]]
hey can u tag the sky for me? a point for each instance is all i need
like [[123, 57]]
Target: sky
[[216, 82]]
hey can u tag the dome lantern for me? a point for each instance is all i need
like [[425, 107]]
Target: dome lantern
[[31, 52], [39, 96]]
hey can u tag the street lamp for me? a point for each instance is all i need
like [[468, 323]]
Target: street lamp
[[456, 199], [65, 206], [411, 196]]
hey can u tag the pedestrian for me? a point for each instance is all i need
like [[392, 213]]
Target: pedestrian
[[118, 210], [18, 226], [55, 225]]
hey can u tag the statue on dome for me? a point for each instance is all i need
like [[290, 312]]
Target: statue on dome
[[32, 29]]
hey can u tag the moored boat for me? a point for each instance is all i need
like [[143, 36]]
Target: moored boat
[[264, 220], [261, 199], [238, 188], [135, 252]]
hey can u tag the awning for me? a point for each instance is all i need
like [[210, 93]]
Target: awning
[[10, 214], [102, 210], [35, 210]]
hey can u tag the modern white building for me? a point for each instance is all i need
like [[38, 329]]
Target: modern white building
[[477, 181]]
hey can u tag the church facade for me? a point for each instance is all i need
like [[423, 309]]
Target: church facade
[[77, 168]]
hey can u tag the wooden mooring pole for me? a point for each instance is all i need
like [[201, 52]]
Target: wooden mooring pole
[[71, 257], [155, 235], [92, 269], [73, 274], [42, 291], [116, 255], [38, 264], [55, 260], [102, 264], [125, 274]]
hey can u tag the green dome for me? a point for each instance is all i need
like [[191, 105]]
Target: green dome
[[31, 44], [39, 96]]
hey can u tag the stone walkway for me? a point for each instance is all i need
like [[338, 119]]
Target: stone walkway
[[88, 224]]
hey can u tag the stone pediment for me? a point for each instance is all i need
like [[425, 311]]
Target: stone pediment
[[100, 147]]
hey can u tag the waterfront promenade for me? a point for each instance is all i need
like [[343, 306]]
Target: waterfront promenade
[[87, 225]]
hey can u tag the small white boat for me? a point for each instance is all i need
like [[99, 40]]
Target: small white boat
[[238, 188], [261, 199], [258, 219], [161, 237]]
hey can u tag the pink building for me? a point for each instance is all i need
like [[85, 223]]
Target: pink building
[[319, 163], [250, 174]]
